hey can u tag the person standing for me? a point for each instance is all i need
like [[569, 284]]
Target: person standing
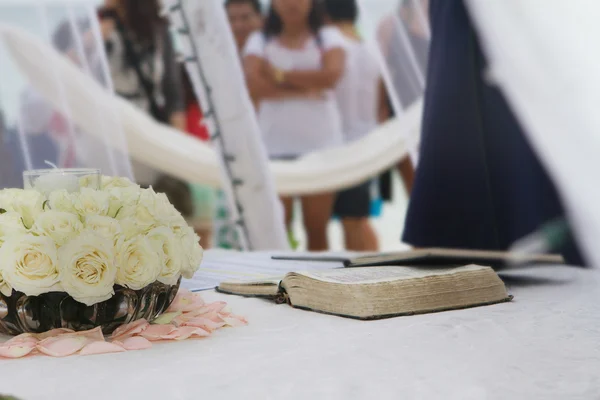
[[479, 185], [145, 71], [357, 95], [291, 69], [245, 17]]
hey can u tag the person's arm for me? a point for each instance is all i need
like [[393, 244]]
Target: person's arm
[[262, 86], [383, 107], [325, 78]]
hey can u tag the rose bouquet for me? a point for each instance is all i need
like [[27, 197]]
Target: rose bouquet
[[87, 243]]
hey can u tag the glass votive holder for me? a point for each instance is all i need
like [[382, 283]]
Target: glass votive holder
[[71, 179]]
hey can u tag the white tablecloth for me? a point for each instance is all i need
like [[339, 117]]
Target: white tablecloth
[[543, 345]]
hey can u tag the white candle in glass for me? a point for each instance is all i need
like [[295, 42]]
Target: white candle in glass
[[56, 181], [69, 179]]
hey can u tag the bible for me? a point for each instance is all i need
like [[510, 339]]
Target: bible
[[380, 292]]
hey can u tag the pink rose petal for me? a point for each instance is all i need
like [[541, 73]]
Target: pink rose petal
[[133, 328], [166, 318], [235, 321], [186, 301], [217, 306], [54, 332], [186, 332], [158, 332], [135, 343], [101, 348], [92, 335], [62, 346], [23, 338], [204, 323], [16, 350]]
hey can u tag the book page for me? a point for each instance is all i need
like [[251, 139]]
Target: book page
[[367, 275]]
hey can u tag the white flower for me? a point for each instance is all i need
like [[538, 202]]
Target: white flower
[[29, 264], [122, 201], [58, 225], [92, 202], [89, 181], [110, 182], [139, 218], [5, 288], [7, 197], [108, 228], [11, 224], [28, 203], [61, 200], [87, 268], [138, 264], [168, 248], [193, 253]]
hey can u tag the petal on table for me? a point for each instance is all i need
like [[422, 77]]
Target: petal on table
[[101, 348], [23, 338], [16, 350], [93, 335], [62, 346], [186, 301], [235, 321], [158, 332], [135, 343], [54, 332], [131, 329], [166, 318], [186, 332], [204, 323]]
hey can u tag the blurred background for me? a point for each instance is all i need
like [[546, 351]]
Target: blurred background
[[35, 134]]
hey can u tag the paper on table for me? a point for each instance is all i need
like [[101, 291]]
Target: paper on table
[[219, 266]]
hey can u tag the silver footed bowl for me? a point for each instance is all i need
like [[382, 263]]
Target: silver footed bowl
[[20, 313]]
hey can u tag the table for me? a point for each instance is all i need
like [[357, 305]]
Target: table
[[543, 345]]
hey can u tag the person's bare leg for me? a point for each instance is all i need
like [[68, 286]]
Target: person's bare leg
[[407, 173], [359, 235], [316, 210]]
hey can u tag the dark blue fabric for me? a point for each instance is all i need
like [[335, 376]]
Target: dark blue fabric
[[478, 184]]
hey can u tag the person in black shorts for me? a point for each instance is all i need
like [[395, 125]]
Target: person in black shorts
[[358, 98]]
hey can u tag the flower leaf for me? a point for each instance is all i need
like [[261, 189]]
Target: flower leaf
[[118, 211], [2, 211], [45, 203]]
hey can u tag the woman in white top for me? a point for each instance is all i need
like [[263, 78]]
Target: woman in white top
[[291, 69], [359, 100]]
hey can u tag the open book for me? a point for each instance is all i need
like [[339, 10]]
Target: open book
[[380, 292], [434, 256]]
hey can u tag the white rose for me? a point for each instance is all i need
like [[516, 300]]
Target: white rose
[[166, 212], [138, 264], [61, 200], [141, 217], [110, 182], [168, 248], [11, 224], [28, 203], [89, 181], [122, 201], [108, 228], [92, 202], [58, 225], [7, 197], [29, 264], [193, 253], [87, 268], [5, 288]]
